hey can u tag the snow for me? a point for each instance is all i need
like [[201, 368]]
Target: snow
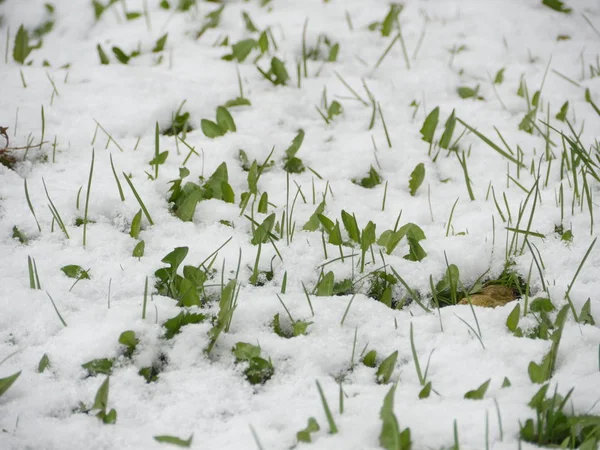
[[208, 395]]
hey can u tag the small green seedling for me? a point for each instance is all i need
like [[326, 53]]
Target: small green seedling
[[99, 366], [557, 5], [6, 383], [22, 47], [291, 163], [540, 373], [277, 73], [19, 236], [370, 181], [173, 326], [553, 427], [478, 394], [298, 327], [305, 434], [370, 359], [391, 18], [381, 286], [180, 123], [211, 20], [174, 440], [101, 403], [259, 370], [44, 363], [227, 306], [241, 49], [100, 8], [391, 436], [223, 125], [325, 285], [185, 198], [416, 178], [386, 368], [467, 92], [130, 341], [414, 234]]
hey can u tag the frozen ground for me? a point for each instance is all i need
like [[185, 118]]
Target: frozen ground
[[449, 44]]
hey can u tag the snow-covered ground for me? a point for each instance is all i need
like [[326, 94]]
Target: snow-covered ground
[[74, 103]]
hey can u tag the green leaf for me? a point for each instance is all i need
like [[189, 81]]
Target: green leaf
[[213, 188], [138, 250], [262, 232], [351, 226], [18, 235], [159, 159], [370, 181], [370, 359], [562, 114], [467, 92], [175, 258], [128, 339], [210, 129], [173, 326], [295, 145], [426, 391], [327, 223], [103, 58], [136, 225], [335, 236], [242, 49], [499, 78], [160, 43], [75, 271], [335, 109], [186, 208], [300, 327], [278, 69], [390, 437], [44, 363], [540, 304], [428, 129], [416, 178], [478, 393], [446, 138], [512, 321], [96, 366], [248, 22], [165, 439], [312, 427], [225, 120], [293, 165], [557, 5], [325, 285], [368, 236], [120, 55], [101, 399], [245, 352], [6, 383], [259, 371], [22, 49], [585, 316], [386, 368], [390, 19], [506, 382], [238, 101]]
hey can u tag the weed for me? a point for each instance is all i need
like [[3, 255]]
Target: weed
[[259, 370]]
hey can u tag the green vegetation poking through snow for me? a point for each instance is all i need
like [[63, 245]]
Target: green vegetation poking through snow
[[556, 428], [259, 370], [291, 163], [185, 198], [391, 436], [223, 124]]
